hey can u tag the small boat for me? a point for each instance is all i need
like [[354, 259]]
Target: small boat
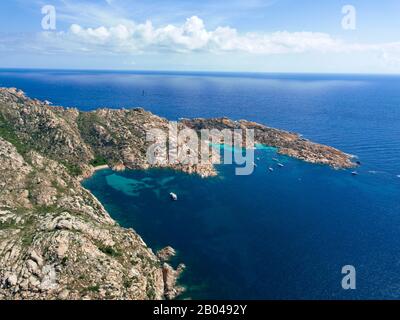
[[173, 196], [275, 159], [354, 173], [280, 165], [271, 169]]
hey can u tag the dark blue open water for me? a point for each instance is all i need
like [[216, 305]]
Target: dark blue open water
[[281, 234]]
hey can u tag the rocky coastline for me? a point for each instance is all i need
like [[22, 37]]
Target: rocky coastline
[[56, 239], [287, 143]]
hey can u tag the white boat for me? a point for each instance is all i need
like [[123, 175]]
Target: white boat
[[354, 173], [280, 165], [173, 196], [271, 169], [275, 159]]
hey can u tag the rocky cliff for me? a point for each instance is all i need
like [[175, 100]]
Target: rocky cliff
[[56, 240]]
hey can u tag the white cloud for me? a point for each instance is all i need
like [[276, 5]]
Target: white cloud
[[391, 53], [193, 36], [128, 38]]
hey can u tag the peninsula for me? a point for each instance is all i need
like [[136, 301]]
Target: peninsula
[[56, 239]]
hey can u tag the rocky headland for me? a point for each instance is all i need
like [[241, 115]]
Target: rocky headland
[[56, 240], [287, 143]]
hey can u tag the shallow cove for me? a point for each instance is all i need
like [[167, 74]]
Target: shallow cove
[[283, 234]]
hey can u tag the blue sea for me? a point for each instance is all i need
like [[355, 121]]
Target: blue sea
[[284, 234]]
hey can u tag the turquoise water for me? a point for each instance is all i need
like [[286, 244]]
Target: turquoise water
[[282, 234]]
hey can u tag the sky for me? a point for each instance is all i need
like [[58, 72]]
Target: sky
[[333, 36]]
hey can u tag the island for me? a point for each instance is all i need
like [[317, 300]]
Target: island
[[57, 241]]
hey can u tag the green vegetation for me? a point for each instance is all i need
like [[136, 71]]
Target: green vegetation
[[56, 186], [48, 209], [29, 230], [27, 239], [86, 124], [95, 288], [109, 251], [86, 119], [127, 283], [7, 224], [98, 161], [150, 291], [7, 132], [73, 169], [64, 261]]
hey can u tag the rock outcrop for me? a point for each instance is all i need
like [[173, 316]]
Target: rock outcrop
[[166, 254], [58, 242]]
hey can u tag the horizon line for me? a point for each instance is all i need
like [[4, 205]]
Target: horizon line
[[200, 71]]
